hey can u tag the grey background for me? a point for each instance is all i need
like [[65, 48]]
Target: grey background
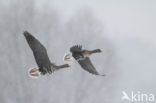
[[123, 29]]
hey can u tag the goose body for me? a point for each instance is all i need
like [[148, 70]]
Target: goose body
[[41, 57], [82, 57]]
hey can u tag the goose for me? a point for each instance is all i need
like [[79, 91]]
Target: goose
[[82, 57], [41, 57]]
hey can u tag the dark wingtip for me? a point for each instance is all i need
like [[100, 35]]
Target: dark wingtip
[[26, 33], [79, 47], [103, 75]]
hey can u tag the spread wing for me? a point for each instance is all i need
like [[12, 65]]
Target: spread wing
[[87, 65], [85, 62], [39, 52], [76, 48], [77, 52]]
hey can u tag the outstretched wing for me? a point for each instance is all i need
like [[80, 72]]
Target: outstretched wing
[[76, 48], [77, 52], [39, 52], [87, 65]]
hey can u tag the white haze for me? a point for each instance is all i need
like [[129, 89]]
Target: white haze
[[123, 29]]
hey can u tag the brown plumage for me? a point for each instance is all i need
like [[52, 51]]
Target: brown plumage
[[40, 53], [82, 57]]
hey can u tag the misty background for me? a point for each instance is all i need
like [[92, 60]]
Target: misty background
[[123, 29]]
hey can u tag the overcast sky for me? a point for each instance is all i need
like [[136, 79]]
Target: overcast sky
[[124, 29]]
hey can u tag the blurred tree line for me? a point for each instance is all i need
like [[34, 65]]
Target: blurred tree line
[[67, 86]]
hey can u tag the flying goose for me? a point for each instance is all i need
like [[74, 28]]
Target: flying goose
[[40, 53], [82, 57]]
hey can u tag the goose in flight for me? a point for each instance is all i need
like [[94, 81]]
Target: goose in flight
[[41, 57], [82, 57]]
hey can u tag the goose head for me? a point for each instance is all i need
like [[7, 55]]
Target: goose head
[[68, 57], [34, 72]]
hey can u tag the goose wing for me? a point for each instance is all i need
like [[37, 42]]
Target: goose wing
[[76, 51], [40, 53], [84, 62], [87, 65]]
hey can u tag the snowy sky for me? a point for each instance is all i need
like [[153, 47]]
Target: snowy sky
[[129, 26]]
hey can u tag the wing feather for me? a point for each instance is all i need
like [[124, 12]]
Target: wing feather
[[40, 53], [84, 61], [87, 65], [76, 48]]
